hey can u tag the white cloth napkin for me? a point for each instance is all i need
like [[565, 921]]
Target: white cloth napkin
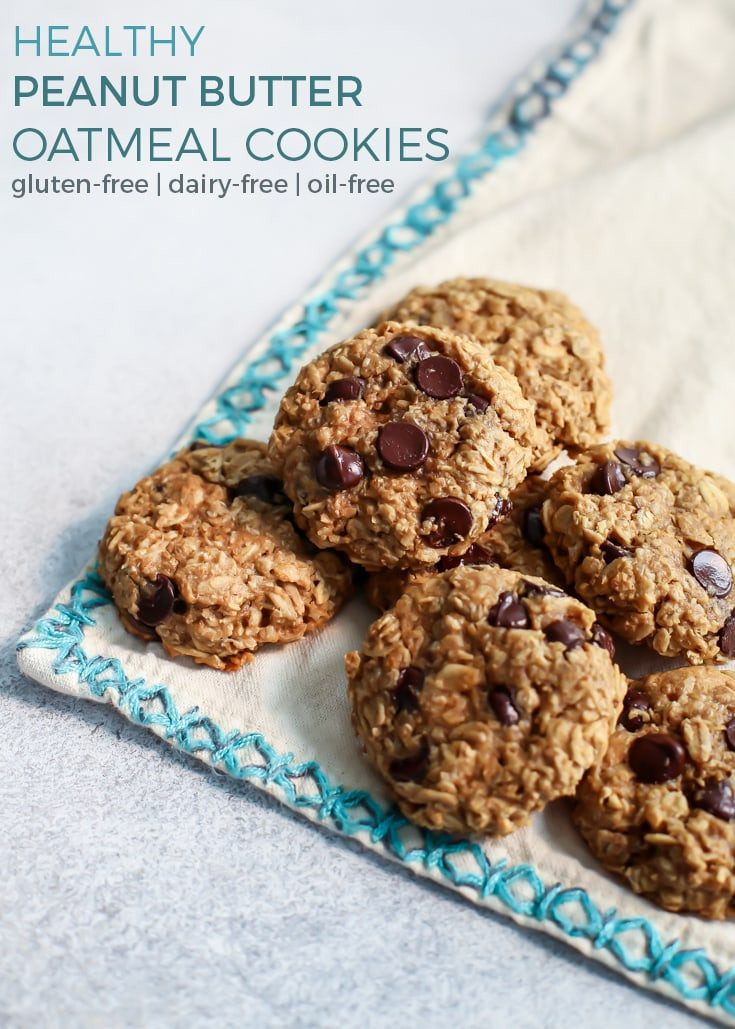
[[609, 173]]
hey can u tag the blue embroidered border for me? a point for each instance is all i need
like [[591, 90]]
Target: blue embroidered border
[[634, 942]]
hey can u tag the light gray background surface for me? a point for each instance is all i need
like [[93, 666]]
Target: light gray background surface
[[136, 888]]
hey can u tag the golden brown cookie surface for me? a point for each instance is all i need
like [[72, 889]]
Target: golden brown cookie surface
[[397, 446], [481, 696], [648, 540], [539, 336], [659, 810], [202, 556]]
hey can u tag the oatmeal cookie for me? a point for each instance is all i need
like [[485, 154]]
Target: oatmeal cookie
[[397, 446], [483, 695], [515, 541], [539, 336], [648, 541], [202, 556], [659, 809]]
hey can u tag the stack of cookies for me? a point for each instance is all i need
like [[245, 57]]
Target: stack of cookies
[[487, 687]]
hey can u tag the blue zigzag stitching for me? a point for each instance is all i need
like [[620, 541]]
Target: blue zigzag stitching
[[634, 942], [236, 404]]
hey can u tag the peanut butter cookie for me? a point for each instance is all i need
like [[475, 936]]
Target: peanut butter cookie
[[483, 695], [648, 541], [398, 446], [659, 809], [202, 556]]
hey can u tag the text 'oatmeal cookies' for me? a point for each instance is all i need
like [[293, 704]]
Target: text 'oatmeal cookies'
[[537, 335], [202, 556], [659, 809], [648, 540], [483, 695], [398, 445]]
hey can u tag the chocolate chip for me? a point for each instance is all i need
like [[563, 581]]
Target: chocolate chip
[[339, 468], [200, 444], [730, 734], [407, 348], [267, 488], [146, 631], [453, 521], [407, 688], [156, 600], [635, 700], [343, 389], [536, 589], [503, 703], [503, 507], [474, 555], [479, 403], [565, 632], [602, 638], [607, 479], [403, 445], [412, 768], [439, 377], [657, 757], [712, 572], [509, 613], [727, 636], [611, 551], [640, 463], [532, 527], [716, 798]]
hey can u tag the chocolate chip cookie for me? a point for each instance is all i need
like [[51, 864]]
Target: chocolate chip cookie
[[541, 338], [515, 541], [202, 556], [483, 695], [660, 807], [399, 445], [648, 541]]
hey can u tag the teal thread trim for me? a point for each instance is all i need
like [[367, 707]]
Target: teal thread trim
[[236, 404], [634, 942]]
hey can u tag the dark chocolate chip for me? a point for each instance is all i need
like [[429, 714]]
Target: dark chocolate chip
[[439, 377], [712, 572], [156, 600], [267, 488], [716, 798], [403, 445], [565, 632], [607, 479], [200, 444], [146, 631], [503, 507], [727, 636], [532, 527], [536, 589], [635, 701], [657, 757], [640, 463], [730, 734], [503, 703], [474, 555], [479, 403], [339, 468], [453, 521], [407, 348], [412, 768], [407, 688], [611, 551], [343, 389], [509, 613], [602, 638]]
